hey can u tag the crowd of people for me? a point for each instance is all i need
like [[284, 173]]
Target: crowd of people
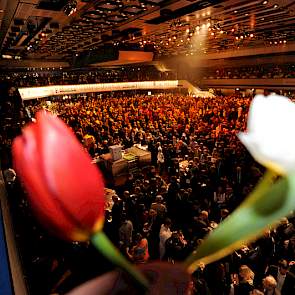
[[59, 76], [268, 71], [199, 173]]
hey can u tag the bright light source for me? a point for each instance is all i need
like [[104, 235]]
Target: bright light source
[[70, 7], [6, 56], [264, 2]]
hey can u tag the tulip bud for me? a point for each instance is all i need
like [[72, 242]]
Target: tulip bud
[[269, 137], [65, 190]]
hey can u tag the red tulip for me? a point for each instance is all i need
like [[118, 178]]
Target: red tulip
[[65, 190]]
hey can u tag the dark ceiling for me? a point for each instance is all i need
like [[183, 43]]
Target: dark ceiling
[[42, 29], [56, 5]]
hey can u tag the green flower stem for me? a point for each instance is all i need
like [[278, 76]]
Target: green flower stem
[[261, 208], [106, 248]]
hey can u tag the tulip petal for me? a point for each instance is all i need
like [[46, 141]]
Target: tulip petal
[[258, 153], [268, 138], [269, 114], [68, 172], [27, 165]]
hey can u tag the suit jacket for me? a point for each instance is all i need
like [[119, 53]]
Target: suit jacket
[[288, 287]]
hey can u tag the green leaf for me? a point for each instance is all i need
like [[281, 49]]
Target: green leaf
[[106, 248], [263, 207]]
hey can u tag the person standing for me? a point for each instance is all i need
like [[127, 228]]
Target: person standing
[[165, 234], [269, 286], [160, 160], [285, 279], [125, 231]]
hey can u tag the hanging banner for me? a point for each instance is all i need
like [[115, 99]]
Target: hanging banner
[[55, 90], [45, 91]]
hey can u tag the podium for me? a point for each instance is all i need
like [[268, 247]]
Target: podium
[[116, 152], [116, 168], [144, 157], [119, 165]]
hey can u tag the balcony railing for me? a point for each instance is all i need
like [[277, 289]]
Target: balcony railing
[[282, 83], [5, 275], [11, 275]]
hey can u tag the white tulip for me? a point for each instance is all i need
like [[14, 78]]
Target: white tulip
[[270, 138]]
